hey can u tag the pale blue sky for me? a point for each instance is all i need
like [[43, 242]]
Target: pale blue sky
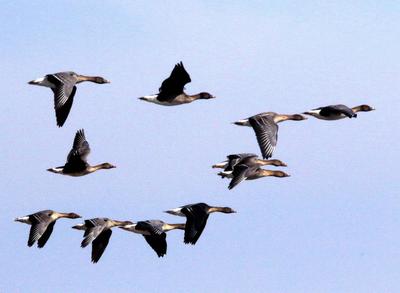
[[333, 226]]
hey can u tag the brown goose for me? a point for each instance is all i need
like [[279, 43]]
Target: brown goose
[[63, 85], [248, 171], [98, 232], [196, 218], [171, 91], [42, 224], [336, 112], [236, 159], [154, 232], [265, 126], [77, 164]]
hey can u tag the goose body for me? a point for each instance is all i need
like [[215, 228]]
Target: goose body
[[98, 232], [235, 159], [63, 85], [196, 218], [265, 126], [154, 232], [336, 112], [42, 224], [171, 92], [77, 164]]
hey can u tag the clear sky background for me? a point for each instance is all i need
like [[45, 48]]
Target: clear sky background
[[333, 226]]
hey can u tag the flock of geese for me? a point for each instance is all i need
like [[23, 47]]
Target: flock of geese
[[237, 167]]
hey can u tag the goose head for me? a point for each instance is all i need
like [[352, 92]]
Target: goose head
[[72, 216], [225, 210], [365, 108], [206, 96], [100, 80], [298, 117], [107, 166]]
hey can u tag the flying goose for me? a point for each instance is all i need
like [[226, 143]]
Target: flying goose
[[42, 224], [98, 232], [265, 126], [77, 164], [63, 85], [236, 159], [196, 218], [248, 171], [336, 112], [153, 232], [171, 91]]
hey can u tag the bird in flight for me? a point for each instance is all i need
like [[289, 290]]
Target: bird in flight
[[63, 85], [171, 92]]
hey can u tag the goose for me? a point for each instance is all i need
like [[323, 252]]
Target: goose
[[171, 91], [336, 112], [77, 164], [248, 171], [42, 224], [196, 218], [236, 159], [63, 85], [98, 232], [265, 126], [153, 232]]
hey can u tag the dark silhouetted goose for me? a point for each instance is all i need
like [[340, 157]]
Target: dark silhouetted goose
[[98, 232], [171, 90], [248, 171], [265, 125], [236, 159], [336, 112], [76, 164], [63, 85], [196, 218], [154, 233], [42, 224]]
